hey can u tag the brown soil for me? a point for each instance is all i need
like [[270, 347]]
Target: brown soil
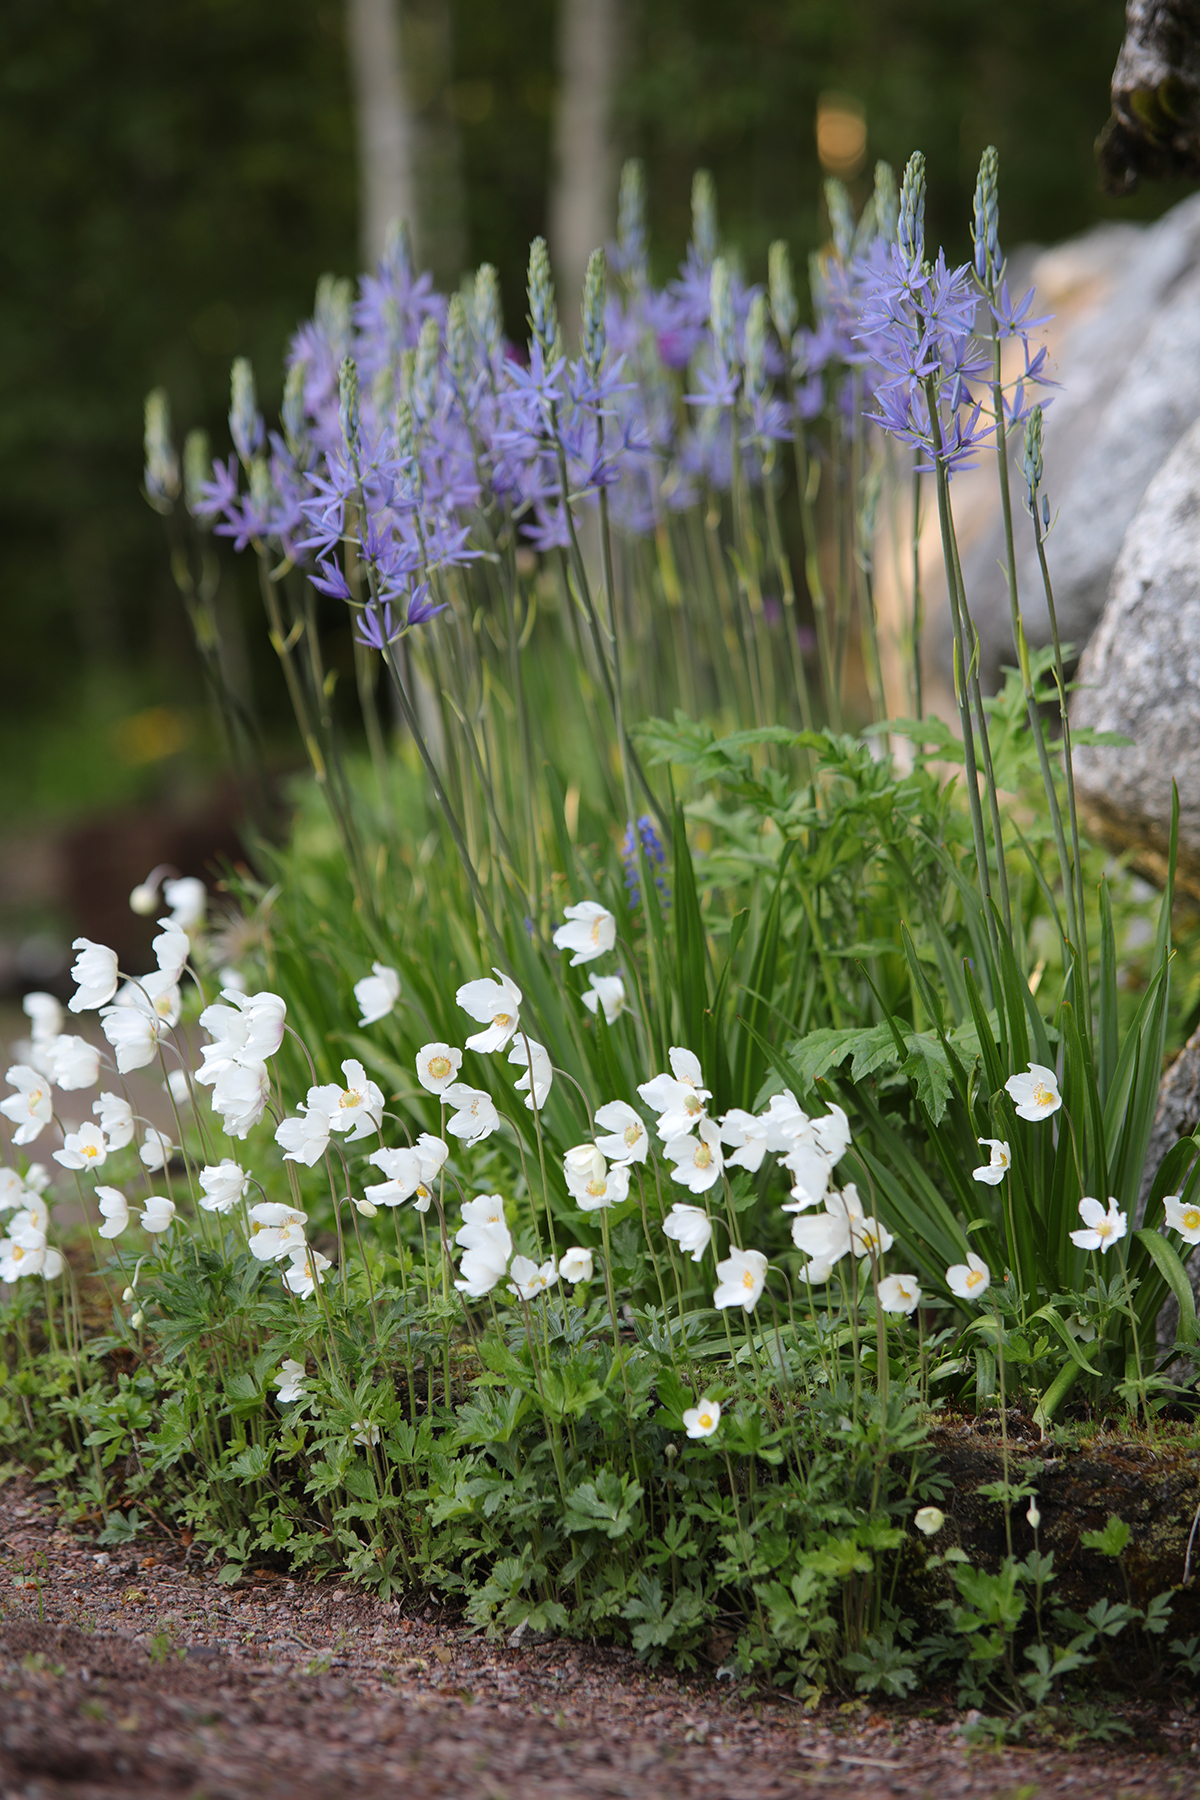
[[132, 1676]]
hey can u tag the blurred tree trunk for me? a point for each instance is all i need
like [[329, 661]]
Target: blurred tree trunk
[[384, 123], [582, 196]]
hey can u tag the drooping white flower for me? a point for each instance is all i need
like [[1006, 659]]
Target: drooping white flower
[[591, 931], [1035, 1094], [30, 1108], [25, 1252], [697, 1159], [832, 1132], [825, 1239], [133, 1033], [528, 1280], [1102, 1228], [474, 1116], [276, 1231], [377, 993], [45, 1015], [187, 898], [484, 1209], [171, 949], [811, 1170], [969, 1280], [740, 1279], [748, 1136], [899, 1294], [538, 1069], [678, 1098], [178, 1086], [869, 1238], [34, 1215], [74, 1063], [365, 1433], [438, 1066], [690, 1227], [95, 975], [496, 1003], [1183, 1219], [115, 1211], [929, 1520], [627, 1140], [998, 1164], [486, 1250], [244, 1033], [240, 1097], [37, 1180], [305, 1138], [289, 1381], [12, 1189], [222, 1185], [304, 1271], [144, 897], [157, 1214], [576, 1264], [582, 1160], [83, 1149], [116, 1119], [411, 1173], [701, 1420], [157, 1148], [593, 1192], [787, 1122], [607, 991]]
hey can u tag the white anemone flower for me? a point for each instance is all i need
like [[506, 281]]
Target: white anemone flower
[[358, 1107], [583, 1160], [1183, 1219], [678, 1098], [12, 1189], [1035, 1094], [35, 1214], [811, 1170], [83, 1149], [114, 1209], [240, 1098], [528, 1280], [626, 1139], [1101, 1229], [133, 1034], [591, 1193], [701, 1420], [740, 1279], [486, 1250], [157, 1214], [899, 1294], [74, 1063], [289, 1381], [171, 949], [591, 931], [438, 1066], [824, 1238], [870, 1239], [231, 977], [698, 1160], [144, 897], [157, 1148], [37, 1180], [748, 1136], [832, 1132], [305, 1138], [95, 975], [410, 1173], [276, 1231], [377, 993], [690, 1227], [929, 1520], [25, 1252], [998, 1164], [187, 898], [474, 1116], [576, 1264], [970, 1280], [303, 1273], [178, 1086], [365, 1433], [244, 1033], [222, 1185], [31, 1107], [497, 1004], [786, 1121], [484, 1209], [45, 1015], [536, 1082], [116, 1119], [607, 991]]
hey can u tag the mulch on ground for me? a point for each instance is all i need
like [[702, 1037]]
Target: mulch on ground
[[134, 1673]]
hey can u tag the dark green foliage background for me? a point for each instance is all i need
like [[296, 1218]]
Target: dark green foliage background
[[174, 178]]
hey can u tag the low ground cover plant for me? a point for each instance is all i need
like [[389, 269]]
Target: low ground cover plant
[[631, 1107]]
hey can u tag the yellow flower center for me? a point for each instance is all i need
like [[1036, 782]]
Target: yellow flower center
[[705, 1421], [91, 1149], [1042, 1095], [18, 1253], [748, 1279], [703, 1156], [595, 932], [1191, 1219], [162, 1006], [502, 1019], [1104, 1228], [595, 1187], [974, 1278], [440, 1067], [350, 1097], [631, 1135], [693, 1105], [422, 1191]]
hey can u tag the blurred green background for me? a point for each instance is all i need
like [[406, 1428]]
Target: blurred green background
[[174, 178]]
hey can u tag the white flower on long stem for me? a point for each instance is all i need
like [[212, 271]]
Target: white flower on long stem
[[187, 898], [31, 1107], [607, 991], [832, 1132], [45, 1015], [73, 1063], [377, 993], [34, 1215], [740, 1279], [690, 1227], [824, 1238], [929, 1520], [576, 1264], [240, 1097], [811, 1170], [701, 1420], [899, 1294], [438, 1066], [95, 975], [698, 1160], [116, 1119], [222, 1185], [25, 1252], [484, 1209], [245, 1032], [357, 1108], [497, 1004], [37, 1180], [133, 1033], [304, 1271], [678, 1098], [305, 1138], [178, 1085], [365, 1433], [1183, 1219], [583, 1160], [12, 1189], [970, 1280], [998, 1164], [114, 1209], [626, 1139], [289, 1381], [83, 1149], [486, 1250], [748, 1137], [276, 1231], [538, 1070], [1035, 1094], [474, 1116], [786, 1121], [410, 1173], [869, 1238], [1102, 1228], [591, 1193], [591, 931], [157, 1148], [157, 1214], [171, 949], [528, 1280]]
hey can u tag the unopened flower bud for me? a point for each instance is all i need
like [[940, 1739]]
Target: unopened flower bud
[[841, 216], [162, 464], [367, 1208], [543, 310], [784, 309], [458, 339], [331, 312], [197, 473], [489, 322], [127, 1295], [594, 336], [425, 372], [137, 1320], [1033, 1515], [144, 899], [721, 310], [985, 228], [348, 399], [631, 222], [887, 202], [245, 421], [910, 229], [295, 426], [704, 217], [670, 1452], [1032, 457], [929, 1520], [756, 345]]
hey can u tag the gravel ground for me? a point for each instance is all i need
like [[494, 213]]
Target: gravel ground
[[126, 1675]]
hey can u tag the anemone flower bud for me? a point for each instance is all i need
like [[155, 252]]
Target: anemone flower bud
[[1033, 1515], [929, 1520]]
